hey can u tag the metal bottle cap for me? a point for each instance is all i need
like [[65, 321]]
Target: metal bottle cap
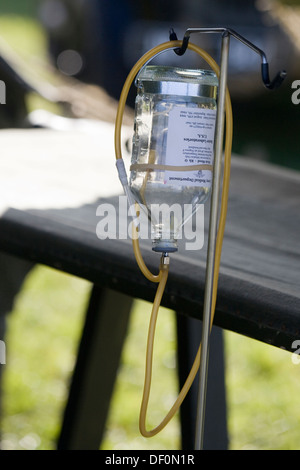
[[176, 81]]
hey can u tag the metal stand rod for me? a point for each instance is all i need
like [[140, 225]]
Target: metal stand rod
[[199, 435]]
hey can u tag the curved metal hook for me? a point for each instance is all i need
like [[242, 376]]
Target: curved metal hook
[[173, 37], [271, 85], [277, 80]]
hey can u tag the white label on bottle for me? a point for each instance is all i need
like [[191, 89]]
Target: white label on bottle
[[190, 141]]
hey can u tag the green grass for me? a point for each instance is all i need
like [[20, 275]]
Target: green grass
[[41, 347], [263, 387], [122, 430], [42, 337], [263, 384], [23, 35]]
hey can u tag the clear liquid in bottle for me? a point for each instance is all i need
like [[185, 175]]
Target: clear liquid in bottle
[[175, 112]]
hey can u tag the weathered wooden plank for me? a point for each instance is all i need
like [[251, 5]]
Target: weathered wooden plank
[[260, 270]]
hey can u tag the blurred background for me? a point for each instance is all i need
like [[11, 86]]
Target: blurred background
[[97, 42], [69, 58]]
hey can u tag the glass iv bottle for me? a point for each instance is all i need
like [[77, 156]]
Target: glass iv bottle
[[173, 147]]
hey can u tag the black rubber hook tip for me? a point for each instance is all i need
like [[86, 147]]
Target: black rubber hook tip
[[173, 37]]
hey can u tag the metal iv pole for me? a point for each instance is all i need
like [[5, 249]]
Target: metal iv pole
[[213, 222], [212, 243]]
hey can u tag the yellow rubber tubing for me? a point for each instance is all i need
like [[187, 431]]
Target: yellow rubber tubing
[[163, 273]]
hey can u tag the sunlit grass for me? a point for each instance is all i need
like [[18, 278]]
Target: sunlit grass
[[122, 431], [42, 338], [263, 384], [25, 45], [23, 35], [41, 348]]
